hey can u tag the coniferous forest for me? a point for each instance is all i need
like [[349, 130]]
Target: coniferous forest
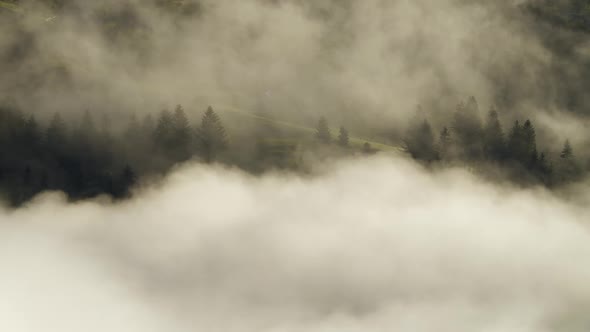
[[88, 158]]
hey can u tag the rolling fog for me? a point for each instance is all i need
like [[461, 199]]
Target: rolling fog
[[362, 63], [378, 244], [370, 245]]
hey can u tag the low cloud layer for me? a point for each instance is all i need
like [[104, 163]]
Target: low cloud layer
[[378, 245], [371, 60]]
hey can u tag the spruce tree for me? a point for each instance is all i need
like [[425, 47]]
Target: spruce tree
[[567, 168], [163, 133], [494, 145], [211, 136], [515, 142], [529, 138], [467, 129], [444, 143], [567, 152], [419, 142], [31, 133], [323, 131], [181, 134], [55, 136]]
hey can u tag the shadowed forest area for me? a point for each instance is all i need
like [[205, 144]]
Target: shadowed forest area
[[90, 158]]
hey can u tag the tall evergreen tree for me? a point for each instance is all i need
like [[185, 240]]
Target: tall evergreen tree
[[567, 152], [494, 144], [419, 142], [568, 169], [31, 135], [516, 146], [164, 131], [56, 133], [529, 138], [323, 131], [444, 143], [544, 170], [211, 136], [467, 129], [181, 135]]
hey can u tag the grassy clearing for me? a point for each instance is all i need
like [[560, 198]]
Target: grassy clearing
[[355, 141], [10, 6]]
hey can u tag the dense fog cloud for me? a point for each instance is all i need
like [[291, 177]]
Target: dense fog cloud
[[370, 60], [368, 246]]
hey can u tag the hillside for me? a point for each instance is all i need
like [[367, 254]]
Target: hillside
[[570, 14]]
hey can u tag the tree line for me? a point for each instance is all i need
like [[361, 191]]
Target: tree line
[[467, 139], [89, 159]]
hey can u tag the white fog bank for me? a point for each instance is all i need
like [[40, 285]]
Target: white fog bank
[[376, 245]]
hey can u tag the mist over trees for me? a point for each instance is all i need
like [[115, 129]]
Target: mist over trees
[[468, 141], [106, 135], [84, 161]]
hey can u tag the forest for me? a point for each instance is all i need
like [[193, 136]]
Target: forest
[[89, 158], [100, 151]]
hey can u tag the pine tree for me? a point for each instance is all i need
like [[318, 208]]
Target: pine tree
[[467, 129], [529, 138], [568, 169], [419, 142], [211, 135], [444, 143], [31, 136], [494, 145], [544, 170], [163, 133], [567, 152], [343, 139], [323, 131], [515, 142], [56, 133], [181, 134]]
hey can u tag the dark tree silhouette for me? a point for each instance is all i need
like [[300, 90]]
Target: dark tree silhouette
[[567, 152], [164, 131], [211, 136], [444, 143], [567, 167], [494, 145], [419, 142], [467, 129], [323, 131], [181, 136]]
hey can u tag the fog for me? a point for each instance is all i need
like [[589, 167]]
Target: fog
[[368, 62], [370, 245], [378, 243]]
